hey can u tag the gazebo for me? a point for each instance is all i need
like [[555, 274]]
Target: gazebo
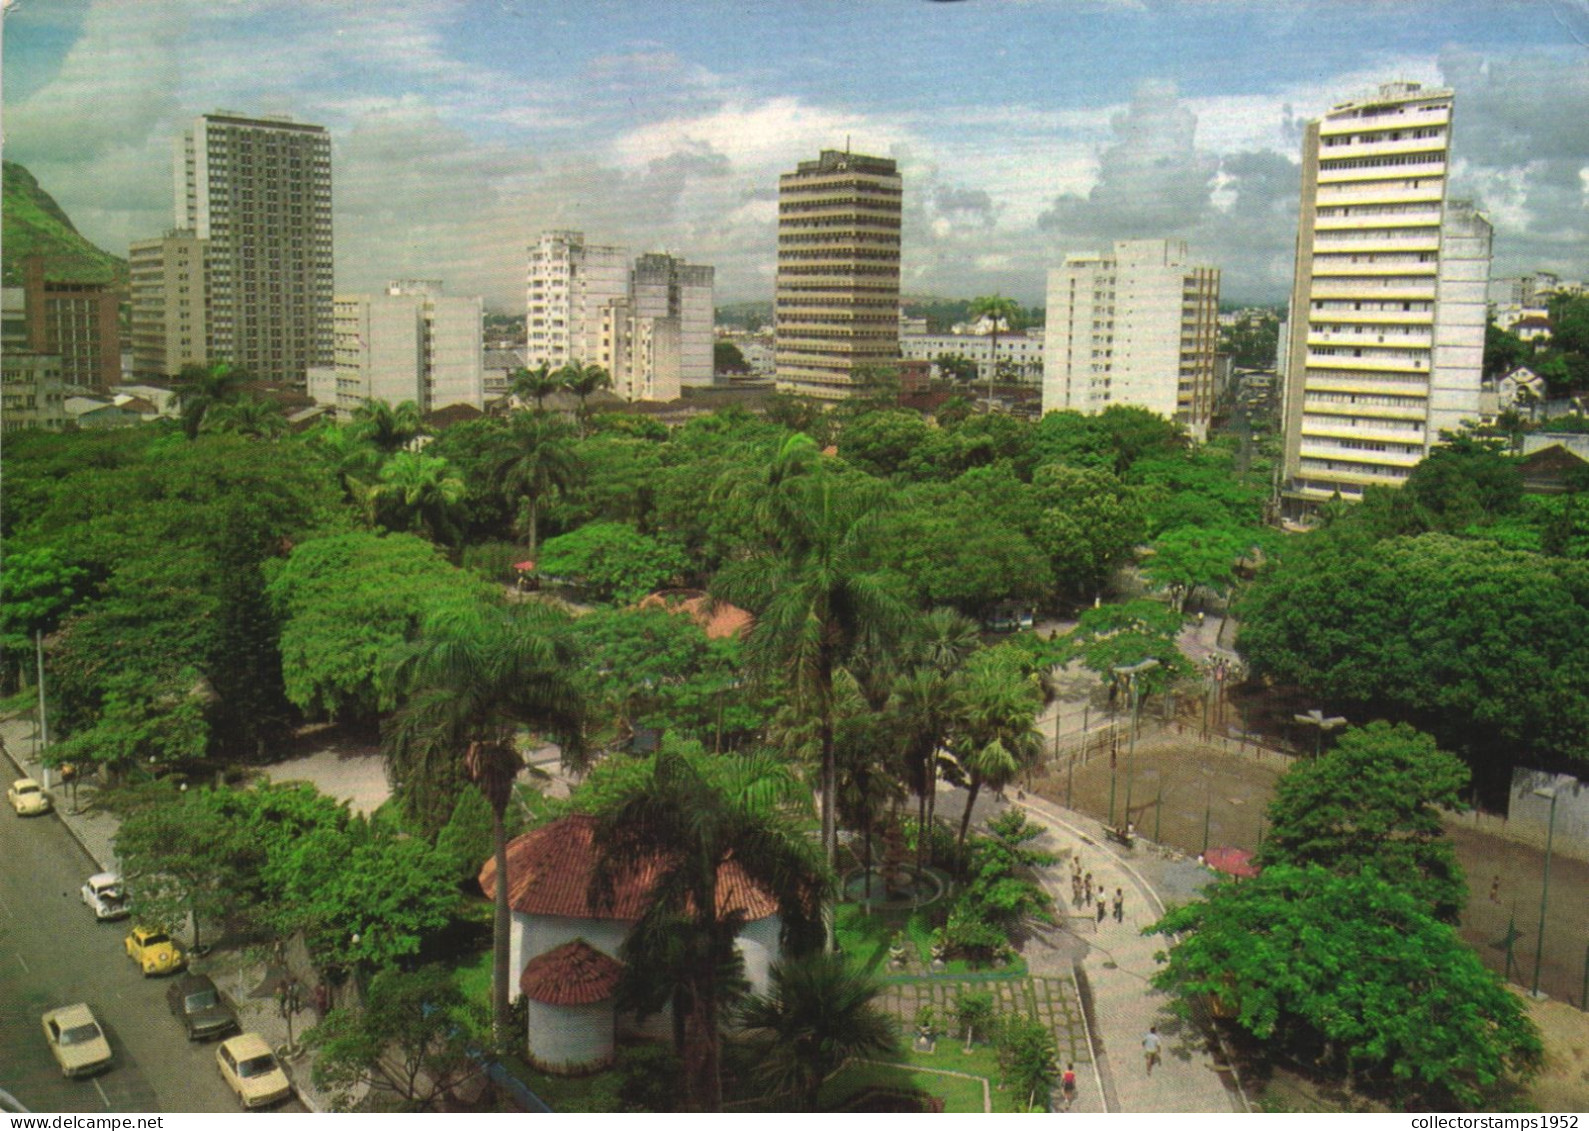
[[570, 994]]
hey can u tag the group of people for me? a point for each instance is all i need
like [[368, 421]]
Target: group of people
[[1083, 894]]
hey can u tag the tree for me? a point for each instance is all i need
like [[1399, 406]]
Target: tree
[[1503, 351], [1028, 1059], [535, 384], [254, 417], [1001, 314], [200, 388], [536, 462], [974, 1012], [582, 380], [818, 1012], [417, 493], [613, 561], [385, 428], [1372, 804], [1464, 482], [185, 857], [1089, 527], [1190, 558], [472, 681], [1353, 973], [409, 1040], [727, 358], [689, 828], [957, 367], [1118, 636], [995, 708]]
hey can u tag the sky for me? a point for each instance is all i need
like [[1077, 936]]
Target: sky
[[1025, 130]]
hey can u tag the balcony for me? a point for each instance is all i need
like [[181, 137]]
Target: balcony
[[1343, 267], [1370, 339], [1364, 386], [1353, 456]]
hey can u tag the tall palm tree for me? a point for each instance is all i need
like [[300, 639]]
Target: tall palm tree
[[246, 416], [388, 429], [1001, 313], [690, 827], [536, 463], [419, 492], [995, 725], [354, 460], [473, 681], [817, 1013], [200, 388], [817, 604], [582, 380], [538, 383]]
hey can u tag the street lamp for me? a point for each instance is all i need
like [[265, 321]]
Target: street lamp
[[1317, 719], [1130, 671], [1544, 887]]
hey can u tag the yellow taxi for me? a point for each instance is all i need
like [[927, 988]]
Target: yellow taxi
[[154, 951], [251, 1070]]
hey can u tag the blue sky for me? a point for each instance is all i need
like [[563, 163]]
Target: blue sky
[[1025, 129]]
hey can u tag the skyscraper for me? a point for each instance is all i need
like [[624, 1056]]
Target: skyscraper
[[837, 295], [663, 286], [1387, 315], [1136, 327], [569, 283], [258, 189]]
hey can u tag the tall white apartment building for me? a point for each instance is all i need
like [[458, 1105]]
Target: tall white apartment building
[[665, 287], [258, 190], [412, 343], [570, 282], [1387, 317], [1138, 326]]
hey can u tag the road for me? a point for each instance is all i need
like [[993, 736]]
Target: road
[[53, 953]]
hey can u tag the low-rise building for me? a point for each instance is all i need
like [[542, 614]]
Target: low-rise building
[[32, 393]]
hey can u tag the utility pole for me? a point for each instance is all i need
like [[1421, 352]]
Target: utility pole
[[44, 730]]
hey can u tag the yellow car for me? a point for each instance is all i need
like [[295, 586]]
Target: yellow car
[[154, 951], [28, 798], [250, 1069], [76, 1039]]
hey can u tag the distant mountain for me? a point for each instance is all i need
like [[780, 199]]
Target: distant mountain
[[35, 225], [745, 315]]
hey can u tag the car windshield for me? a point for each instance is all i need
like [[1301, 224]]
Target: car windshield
[[155, 939], [256, 1065], [110, 893], [29, 788], [78, 1034], [204, 999]]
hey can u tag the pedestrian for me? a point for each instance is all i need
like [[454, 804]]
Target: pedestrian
[[322, 1000], [1086, 889], [1120, 905], [1075, 892], [1067, 1085], [1495, 890], [1150, 1047], [1102, 910]]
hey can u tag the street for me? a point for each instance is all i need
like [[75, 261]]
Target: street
[[53, 953]]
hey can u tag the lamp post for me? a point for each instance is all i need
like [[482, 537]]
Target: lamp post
[[1317, 719], [1544, 887], [1130, 671], [1208, 803]]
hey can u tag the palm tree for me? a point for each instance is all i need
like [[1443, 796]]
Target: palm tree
[[246, 416], [817, 604], [818, 1012], [353, 460], [538, 383], [690, 827], [582, 380], [536, 463], [995, 711], [388, 429], [202, 387], [1001, 313], [419, 492], [476, 677]]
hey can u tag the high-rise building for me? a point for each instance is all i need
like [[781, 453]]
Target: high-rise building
[[258, 189], [664, 287], [570, 282], [170, 304], [410, 344], [1387, 316], [1137, 327], [837, 297], [74, 322]]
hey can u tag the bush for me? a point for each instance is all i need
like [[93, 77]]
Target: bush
[[648, 1078], [493, 561]]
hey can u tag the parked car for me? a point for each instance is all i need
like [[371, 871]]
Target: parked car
[[76, 1039], [196, 1003], [105, 895], [28, 798], [250, 1069], [154, 951]]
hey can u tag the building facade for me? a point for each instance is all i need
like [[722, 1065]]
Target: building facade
[[32, 391], [170, 304], [665, 287], [570, 281], [1138, 326], [836, 302], [76, 322], [1386, 344], [412, 343], [1020, 352], [258, 189]]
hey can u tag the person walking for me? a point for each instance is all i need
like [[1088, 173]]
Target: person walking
[[1067, 1085], [1150, 1047], [1102, 908], [1120, 905], [1495, 890], [1086, 889], [1075, 892]]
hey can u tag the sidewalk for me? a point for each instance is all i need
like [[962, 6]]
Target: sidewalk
[[238, 974], [1116, 960]]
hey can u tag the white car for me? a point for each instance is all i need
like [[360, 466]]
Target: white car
[[251, 1070], [28, 798], [105, 895], [76, 1039]]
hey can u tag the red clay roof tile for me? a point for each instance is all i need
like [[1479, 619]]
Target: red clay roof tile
[[575, 973]]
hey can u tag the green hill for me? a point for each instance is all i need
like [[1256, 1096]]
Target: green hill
[[36, 225]]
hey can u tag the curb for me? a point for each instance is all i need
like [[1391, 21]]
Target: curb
[[76, 836]]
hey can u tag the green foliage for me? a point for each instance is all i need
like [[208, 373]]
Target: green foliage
[[1089, 525], [466, 839], [727, 358], [36, 225], [648, 1078], [345, 602], [37, 587], [956, 367], [1189, 558], [1464, 482], [1503, 351], [1372, 804], [417, 493], [974, 1013], [407, 1041], [1117, 636], [1353, 973], [614, 562], [1251, 342], [1028, 1059], [1002, 894]]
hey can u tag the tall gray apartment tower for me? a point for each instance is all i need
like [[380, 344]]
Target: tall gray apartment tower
[[258, 189]]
